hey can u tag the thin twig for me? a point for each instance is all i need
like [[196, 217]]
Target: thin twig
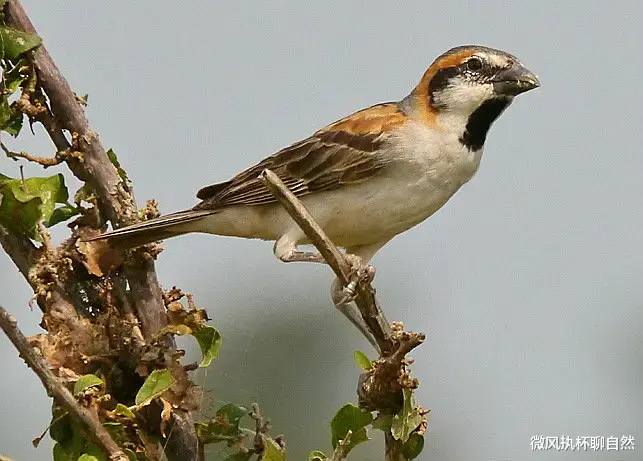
[[45, 162], [366, 302], [55, 388]]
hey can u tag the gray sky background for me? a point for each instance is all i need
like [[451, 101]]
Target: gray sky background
[[527, 284]]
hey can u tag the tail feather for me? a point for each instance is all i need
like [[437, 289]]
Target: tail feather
[[153, 230]]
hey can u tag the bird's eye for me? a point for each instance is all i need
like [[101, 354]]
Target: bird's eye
[[474, 64]]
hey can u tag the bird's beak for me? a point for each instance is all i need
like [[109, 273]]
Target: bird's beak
[[514, 80]]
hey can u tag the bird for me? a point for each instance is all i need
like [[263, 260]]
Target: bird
[[366, 177]]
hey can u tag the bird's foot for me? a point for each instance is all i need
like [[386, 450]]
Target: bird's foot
[[359, 272]]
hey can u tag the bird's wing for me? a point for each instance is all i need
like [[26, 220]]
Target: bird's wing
[[345, 152]]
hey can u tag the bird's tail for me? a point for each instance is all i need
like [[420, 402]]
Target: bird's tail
[[153, 230]]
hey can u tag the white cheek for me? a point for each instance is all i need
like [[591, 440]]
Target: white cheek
[[465, 97]]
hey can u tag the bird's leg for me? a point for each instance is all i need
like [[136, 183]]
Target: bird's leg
[[343, 296], [286, 250]]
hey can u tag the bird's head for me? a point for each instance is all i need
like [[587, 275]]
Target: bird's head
[[471, 86]]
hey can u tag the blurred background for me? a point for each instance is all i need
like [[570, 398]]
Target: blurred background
[[527, 284]]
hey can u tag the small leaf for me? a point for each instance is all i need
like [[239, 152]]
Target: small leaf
[[83, 99], [25, 203], [61, 454], [383, 422], [5, 111], [121, 172], [85, 382], [350, 418], [209, 341], [224, 426], [317, 455], [60, 428], [156, 383], [362, 361], [232, 414], [62, 214], [407, 419], [14, 42], [14, 124], [272, 451], [86, 457], [122, 410], [413, 446]]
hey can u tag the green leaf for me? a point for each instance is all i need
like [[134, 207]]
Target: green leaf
[[350, 418], [232, 414], [62, 214], [156, 383], [362, 361], [317, 455], [407, 419], [121, 172], [60, 428], [25, 203], [209, 341], [86, 457], [224, 426], [5, 111], [413, 446], [85, 382], [122, 410], [14, 124], [272, 451], [83, 99], [383, 422], [61, 454], [14, 42]]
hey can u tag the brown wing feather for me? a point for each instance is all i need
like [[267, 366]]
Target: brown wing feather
[[345, 152]]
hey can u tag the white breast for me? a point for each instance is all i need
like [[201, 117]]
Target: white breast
[[428, 168]]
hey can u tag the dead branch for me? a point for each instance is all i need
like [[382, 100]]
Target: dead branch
[[57, 390]]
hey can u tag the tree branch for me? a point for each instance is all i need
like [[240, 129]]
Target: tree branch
[[380, 388], [56, 389], [115, 198], [366, 302]]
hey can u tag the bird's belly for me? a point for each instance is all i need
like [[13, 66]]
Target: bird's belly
[[377, 211], [361, 214]]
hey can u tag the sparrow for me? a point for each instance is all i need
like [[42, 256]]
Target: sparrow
[[369, 176]]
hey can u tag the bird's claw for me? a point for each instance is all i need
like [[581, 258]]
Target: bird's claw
[[359, 273]]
